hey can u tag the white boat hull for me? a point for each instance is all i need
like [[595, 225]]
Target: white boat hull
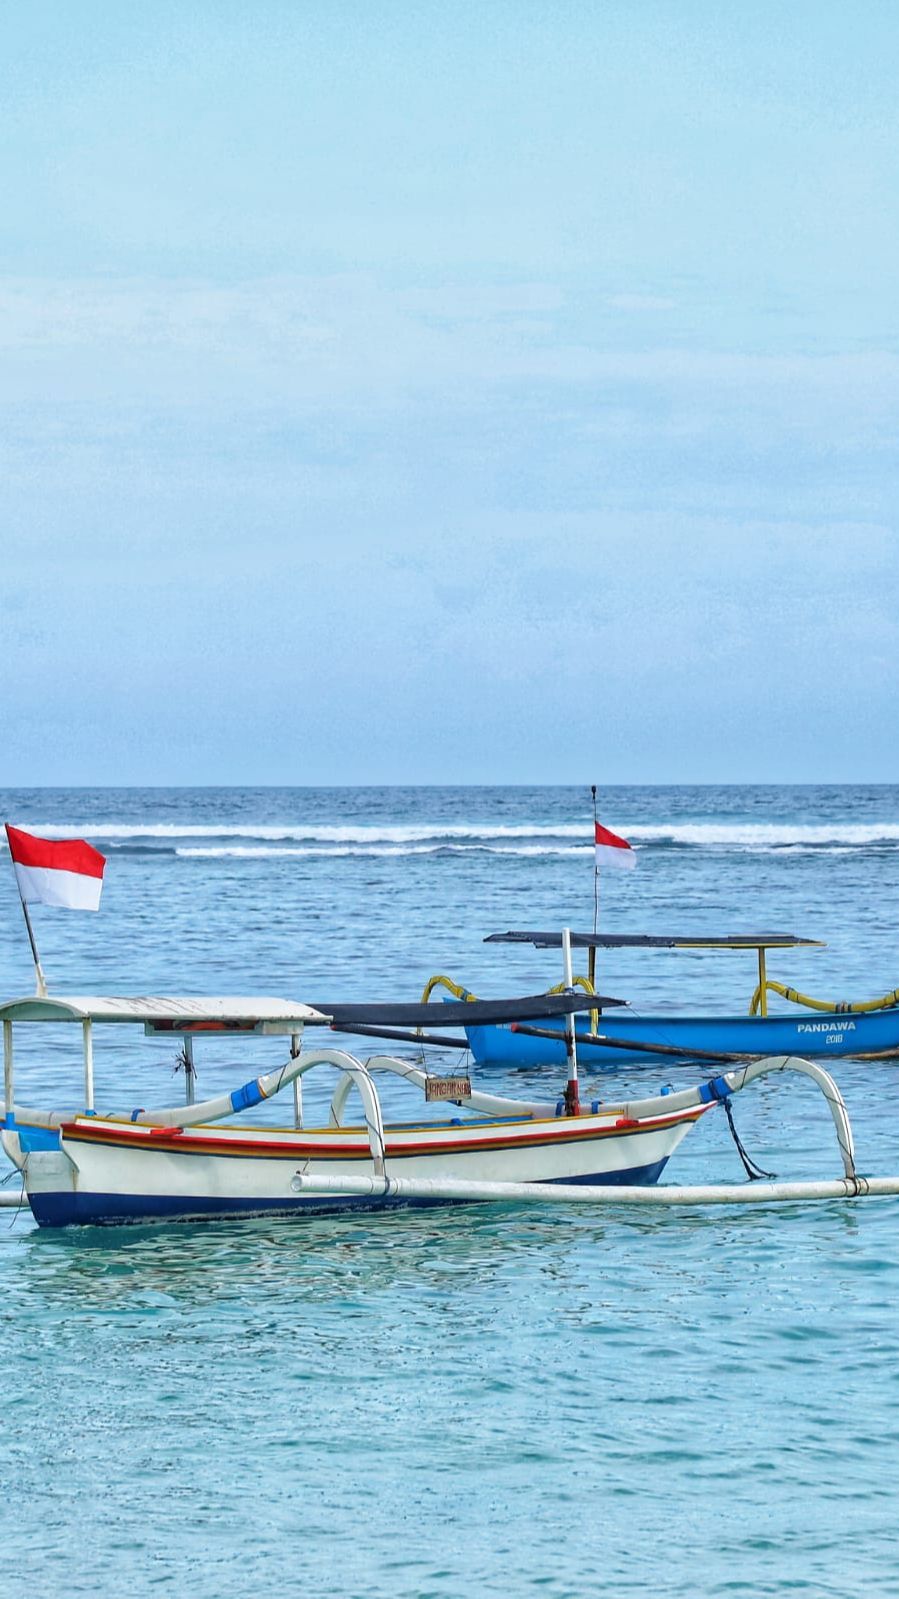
[[111, 1171]]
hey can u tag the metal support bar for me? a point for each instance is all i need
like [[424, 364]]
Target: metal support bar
[[763, 984], [404, 1035]]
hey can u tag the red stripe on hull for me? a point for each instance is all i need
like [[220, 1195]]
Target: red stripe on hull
[[184, 1143]]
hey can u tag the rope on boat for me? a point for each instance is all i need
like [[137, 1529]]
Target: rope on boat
[[833, 1007], [17, 1201], [753, 1171]]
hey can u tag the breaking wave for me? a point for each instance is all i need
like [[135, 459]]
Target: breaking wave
[[435, 848], [261, 840]]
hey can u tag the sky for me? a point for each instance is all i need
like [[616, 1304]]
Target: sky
[[420, 393]]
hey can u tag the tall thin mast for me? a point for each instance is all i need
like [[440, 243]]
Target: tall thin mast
[[591, 953], [572, 1105]]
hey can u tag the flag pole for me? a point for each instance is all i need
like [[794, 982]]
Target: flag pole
[[38, 969], [591, 953]]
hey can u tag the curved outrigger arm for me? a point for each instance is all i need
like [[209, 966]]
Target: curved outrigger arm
[[353, 1072], [713, 1090], [244, 1098], [739, 1077], [486, 1104]]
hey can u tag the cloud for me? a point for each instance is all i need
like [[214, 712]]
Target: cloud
[[640, 302], [348, 338], [287, 402]]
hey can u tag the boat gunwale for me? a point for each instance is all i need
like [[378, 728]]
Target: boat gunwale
[[238, 1142]]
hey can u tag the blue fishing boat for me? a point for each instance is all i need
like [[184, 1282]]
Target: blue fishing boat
[[818, 1028]]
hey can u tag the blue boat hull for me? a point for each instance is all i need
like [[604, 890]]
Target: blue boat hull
[[812, 1034]]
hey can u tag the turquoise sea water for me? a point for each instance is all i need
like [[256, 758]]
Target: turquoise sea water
[[491, 1401]]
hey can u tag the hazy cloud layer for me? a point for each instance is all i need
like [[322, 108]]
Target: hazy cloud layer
[[384, 401]]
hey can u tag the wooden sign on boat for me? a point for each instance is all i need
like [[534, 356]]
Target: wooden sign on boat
[[437, 1088]]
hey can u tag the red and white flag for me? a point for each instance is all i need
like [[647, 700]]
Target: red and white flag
[[612, 850], [67, 872]]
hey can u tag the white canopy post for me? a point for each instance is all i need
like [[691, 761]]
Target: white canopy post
[[572, 1104], [296, 1040], [87, 1033], [8, 1093], [190, 1076]]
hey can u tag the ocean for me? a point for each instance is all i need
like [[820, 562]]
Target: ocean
[[502, 1402]]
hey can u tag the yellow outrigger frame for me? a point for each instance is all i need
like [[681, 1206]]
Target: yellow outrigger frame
[[758, 1005]]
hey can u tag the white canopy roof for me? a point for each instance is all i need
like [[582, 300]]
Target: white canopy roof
[[165, 1013]]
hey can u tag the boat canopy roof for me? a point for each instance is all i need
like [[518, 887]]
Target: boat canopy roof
[[164, 1013], [466, 1013], [658, 941]]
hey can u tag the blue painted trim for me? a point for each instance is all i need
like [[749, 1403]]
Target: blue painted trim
[[246, 1097], [714, 1091], [636, 1177], [35, 1138]]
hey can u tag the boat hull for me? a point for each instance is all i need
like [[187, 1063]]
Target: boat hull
[[109, 1172], [812, 1035]]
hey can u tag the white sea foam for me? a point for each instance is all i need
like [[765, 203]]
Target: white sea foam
[[292, 831], [525, 837], [772, 835], [249, 851]]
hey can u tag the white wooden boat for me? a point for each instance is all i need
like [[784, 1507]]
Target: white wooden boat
[[196, 1161]]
